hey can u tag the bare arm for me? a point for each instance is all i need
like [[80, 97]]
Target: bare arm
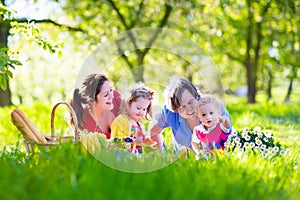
[[155, 134], [225, 113]]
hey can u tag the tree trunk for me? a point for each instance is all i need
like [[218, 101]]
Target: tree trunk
[[250, 71], [269, 89], [5, 96], [290, 88], [139, 73], [251, 83]]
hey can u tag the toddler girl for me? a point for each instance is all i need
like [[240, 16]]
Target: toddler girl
[[214, 129], [127, 126]]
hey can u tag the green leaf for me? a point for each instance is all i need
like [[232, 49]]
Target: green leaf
[[2, 64], [4, 49], [11, 65], [9, 74], [15, 62], [3, 82], [59, 54]]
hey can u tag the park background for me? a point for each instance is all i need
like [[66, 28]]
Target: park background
[[253, 44]]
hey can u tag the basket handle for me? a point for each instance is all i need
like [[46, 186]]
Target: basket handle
[[76, 134]]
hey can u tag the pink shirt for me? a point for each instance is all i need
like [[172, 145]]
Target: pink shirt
[[214, 138]]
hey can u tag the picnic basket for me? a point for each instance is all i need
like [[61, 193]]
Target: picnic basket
[[33, 137]]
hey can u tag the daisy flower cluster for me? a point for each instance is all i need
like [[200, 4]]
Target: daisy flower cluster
[[253, 139]]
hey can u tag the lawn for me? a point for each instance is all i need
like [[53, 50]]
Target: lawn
[[70, 172]]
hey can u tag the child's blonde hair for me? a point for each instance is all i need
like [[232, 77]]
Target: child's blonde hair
[[208, 99], [136, 91]]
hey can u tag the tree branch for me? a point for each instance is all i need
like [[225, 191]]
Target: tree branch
[[49, 21], [131, 37], [161, 24], [123, 54], [259, 36], [235, 58], [141, 5], [119, 14]]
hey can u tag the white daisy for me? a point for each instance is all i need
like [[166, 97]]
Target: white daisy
[[256, 149], [239, 145], [276, 149], [246, 129], [227, 144], [234, 133], [258, 142], [273, 152], [268, 134], [263, 146], [247, 145], [256, 129], [237, 140], [244, 135], [240, 150], [247, 138], [266, 139]]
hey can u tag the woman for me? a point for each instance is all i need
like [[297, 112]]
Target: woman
[[180, 114], [96, 104]]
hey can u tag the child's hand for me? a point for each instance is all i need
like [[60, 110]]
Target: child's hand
[[140, 134], [149, 142], [205, 156], [197, 156], [205, 149], [224, 121]]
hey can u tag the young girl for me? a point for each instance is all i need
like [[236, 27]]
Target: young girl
[[214, 129], [137, 106]]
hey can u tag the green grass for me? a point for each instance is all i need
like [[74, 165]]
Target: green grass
[[69, 172]]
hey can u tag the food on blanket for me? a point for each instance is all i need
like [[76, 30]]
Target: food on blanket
[[149, 142], [141, 138], [26, 126]]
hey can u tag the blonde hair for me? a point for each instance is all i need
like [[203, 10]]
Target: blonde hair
[[136, 91], [208, 99]]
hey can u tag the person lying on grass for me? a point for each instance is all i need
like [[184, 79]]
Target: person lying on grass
[[96, 104], [179, 113], [214, 129], [137, 105]]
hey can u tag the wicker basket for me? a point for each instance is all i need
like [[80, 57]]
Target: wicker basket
[[32, 137]]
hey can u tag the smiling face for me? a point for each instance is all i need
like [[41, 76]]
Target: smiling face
[[104, 97], [208, 114], [188, 104], [138, 108]]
